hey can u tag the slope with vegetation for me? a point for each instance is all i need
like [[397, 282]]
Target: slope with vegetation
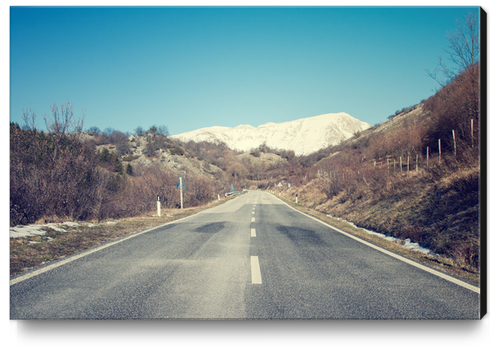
[[417, 175], [414, 176], [392, 179], [57, 176]]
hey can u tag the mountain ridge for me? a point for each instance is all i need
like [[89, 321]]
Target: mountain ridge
[[303, 136]]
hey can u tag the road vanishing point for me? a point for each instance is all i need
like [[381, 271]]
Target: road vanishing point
[[253, 257]]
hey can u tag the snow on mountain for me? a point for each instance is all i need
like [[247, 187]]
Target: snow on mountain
[[304, 136]]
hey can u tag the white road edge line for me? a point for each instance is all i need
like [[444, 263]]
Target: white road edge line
[[394, 255], [90, 251], [252, 233], [256, 276]]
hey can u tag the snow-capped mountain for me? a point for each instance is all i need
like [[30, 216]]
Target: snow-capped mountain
[[304, 136]]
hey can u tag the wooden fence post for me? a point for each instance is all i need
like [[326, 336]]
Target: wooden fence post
[[454, 141], [427, 157], [471, 133], [439, 151]]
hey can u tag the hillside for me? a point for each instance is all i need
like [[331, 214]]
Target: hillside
[[303, 136], [142, 151], [379, 178], [383, 179]]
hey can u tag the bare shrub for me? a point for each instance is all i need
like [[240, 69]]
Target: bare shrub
[[198, 191], [123, 147], [452, 108], [50, 174], [62, 120], [56, 177], [29, 118]]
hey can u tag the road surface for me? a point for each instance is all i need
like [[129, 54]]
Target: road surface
[[252, 257]]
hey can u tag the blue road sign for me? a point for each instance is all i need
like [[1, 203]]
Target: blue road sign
[[177, 185]]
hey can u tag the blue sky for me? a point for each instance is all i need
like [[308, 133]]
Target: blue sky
[[193, 67]]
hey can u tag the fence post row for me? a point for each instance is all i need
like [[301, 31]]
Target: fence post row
[[332, 174]]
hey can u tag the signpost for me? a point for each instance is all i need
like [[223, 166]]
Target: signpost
[[181, 185]]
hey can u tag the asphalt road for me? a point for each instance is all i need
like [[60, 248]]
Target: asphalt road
[[252, 257]]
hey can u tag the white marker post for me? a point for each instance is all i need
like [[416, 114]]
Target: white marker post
[[159, 206], [296, 198]]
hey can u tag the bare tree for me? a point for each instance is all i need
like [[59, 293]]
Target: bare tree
[[162, 130], [63, 120], [153, 129], [94, 131], [29, 118], [463, 49], [139, 131]]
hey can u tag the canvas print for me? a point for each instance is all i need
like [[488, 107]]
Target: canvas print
[[246, 163]]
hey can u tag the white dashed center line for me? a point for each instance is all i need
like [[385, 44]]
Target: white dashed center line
[[256, 276]]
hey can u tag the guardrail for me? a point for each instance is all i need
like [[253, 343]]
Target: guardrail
[[235, 193]]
